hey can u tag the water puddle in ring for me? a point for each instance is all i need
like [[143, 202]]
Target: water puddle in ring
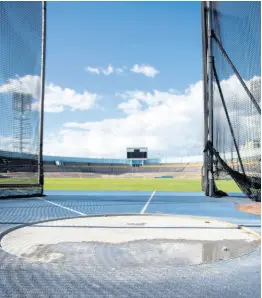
[[160, 252]]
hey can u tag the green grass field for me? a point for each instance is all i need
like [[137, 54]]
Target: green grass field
[[146, 184]]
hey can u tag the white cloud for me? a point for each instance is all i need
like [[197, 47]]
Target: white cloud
[[167, 126], [146, 70], [104, 71], [151, 99], [56, 97], [167, 122], [107, 71], [26, 85], [233, 91], [92, 69], [242, 113], [119, 70], [130, 107]]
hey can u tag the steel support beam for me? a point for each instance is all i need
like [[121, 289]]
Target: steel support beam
[[204, 173], [41, 120], [210, 61]]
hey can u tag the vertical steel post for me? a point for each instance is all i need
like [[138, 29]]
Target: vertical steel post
[[210, 96], [41, 120], [205, 99]]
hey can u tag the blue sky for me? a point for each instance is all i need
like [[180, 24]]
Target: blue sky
[[129, 74], [166, 35]]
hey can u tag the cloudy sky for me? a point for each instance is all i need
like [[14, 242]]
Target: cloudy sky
[[123, 74]]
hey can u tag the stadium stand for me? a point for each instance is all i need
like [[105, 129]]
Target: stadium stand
[[90, 169], [55, 168], [8, 165]]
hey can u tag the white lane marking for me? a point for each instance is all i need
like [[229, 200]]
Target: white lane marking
[[147, 203], [58, 205]]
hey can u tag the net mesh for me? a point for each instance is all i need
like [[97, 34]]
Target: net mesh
[[20, 92], [237, 94]]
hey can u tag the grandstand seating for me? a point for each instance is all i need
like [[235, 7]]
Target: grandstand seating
[[75, 168], [8, 164], [91, 169]]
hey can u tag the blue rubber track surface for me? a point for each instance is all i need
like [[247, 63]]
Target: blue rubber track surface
[[238, 277]]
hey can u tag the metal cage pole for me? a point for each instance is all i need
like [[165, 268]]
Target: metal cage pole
[[41, 120], [210, 97], [205, 99]]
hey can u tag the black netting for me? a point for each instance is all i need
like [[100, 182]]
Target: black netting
[[237, 94], [20, 97]]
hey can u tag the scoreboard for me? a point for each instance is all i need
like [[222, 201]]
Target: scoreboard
[[136, 153]]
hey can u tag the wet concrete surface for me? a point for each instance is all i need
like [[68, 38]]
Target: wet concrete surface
[[130, 241], [142, 253]]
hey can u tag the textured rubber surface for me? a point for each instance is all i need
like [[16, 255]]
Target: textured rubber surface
[[239, 277]]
